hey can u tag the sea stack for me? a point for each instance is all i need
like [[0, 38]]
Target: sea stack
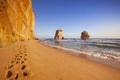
[[59, 35], [16, 21], [84, 35]]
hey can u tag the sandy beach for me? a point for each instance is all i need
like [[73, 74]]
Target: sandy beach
[[31, 60]]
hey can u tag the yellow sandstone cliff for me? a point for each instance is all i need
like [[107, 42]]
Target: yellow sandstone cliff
[[16, 21]]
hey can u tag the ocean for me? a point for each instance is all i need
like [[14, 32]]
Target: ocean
[[104, 48]]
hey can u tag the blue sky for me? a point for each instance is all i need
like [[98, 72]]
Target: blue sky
[[100, 18]]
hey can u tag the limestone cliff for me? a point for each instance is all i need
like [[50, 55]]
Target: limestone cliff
[[84, 35], [59, 35], [16, 21]]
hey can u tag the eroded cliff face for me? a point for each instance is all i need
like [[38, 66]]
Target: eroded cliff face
[[16, 21], [59, 35]]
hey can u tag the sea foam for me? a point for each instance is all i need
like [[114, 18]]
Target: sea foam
[[99, 48]]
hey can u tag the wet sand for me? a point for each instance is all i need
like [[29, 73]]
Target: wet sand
[[31, 60]]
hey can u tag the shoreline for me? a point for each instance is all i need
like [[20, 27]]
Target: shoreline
[[48, 63], [107, 62]]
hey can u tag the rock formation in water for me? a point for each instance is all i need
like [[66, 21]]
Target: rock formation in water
[[16, 21], [84, 35], [59, 34]]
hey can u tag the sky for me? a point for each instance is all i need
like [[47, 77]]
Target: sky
[[100, 18]]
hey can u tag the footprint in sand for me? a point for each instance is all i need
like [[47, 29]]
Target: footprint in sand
[[17, 62], [12, 61], [9, 74], [25, 74], [25, 59], [14, 71], [17, 75], [22, 62], [23, 67], [10, 66]]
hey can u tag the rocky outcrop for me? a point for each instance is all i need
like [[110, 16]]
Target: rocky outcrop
[[84, 35], [59, 34], [16, 21]]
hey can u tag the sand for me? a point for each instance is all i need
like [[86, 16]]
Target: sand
[[31, 60]]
